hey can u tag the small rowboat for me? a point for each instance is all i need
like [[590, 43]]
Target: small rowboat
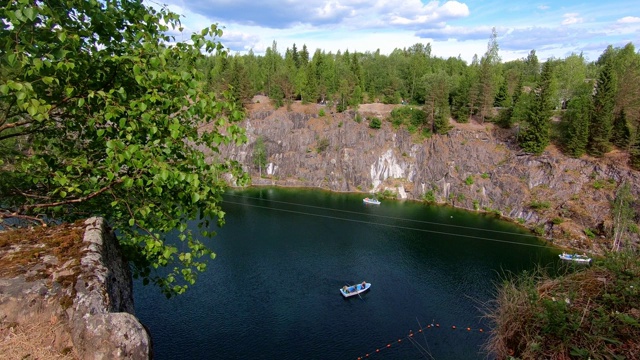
[[372, 201], [353, 290], [583, 259]]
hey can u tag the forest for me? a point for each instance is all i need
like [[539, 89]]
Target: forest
[[584, 107]]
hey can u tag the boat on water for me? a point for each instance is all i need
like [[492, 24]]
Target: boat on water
[[353, 290], [583, 259], [373, 201]]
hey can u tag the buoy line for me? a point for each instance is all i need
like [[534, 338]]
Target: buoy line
[[410, 337]]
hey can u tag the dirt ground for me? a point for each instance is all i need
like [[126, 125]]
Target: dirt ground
[[379, 110]]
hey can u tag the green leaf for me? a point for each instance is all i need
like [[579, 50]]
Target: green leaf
[[11, 59], [29, 13]]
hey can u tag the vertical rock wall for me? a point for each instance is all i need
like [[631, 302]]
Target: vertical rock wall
[[102, 322], [474, 167]]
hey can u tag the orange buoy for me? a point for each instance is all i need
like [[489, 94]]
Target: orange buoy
[[377, 350], [437, 325], [481, 330], [366, 355], [428, 326], [420, 330], [453, 327], [388, 345], [399, 340], [468, 329]]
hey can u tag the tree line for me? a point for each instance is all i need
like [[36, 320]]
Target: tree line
[[586, 107]]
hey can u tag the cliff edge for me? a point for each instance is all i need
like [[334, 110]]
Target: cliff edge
[[66, 293]]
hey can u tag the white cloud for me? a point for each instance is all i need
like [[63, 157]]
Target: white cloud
[[543, 7], [629, 20], [571, 18], [455, 32], [415, 13], [455, 9]]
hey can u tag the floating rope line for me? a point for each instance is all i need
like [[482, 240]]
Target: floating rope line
[[411, 338], [391, 217], [391, 225]]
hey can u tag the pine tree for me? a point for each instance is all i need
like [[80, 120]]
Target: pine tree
[[634, 151], [576, 121], [502, 97], [488, 78], [621, 133], [536, 136], [601, 122]]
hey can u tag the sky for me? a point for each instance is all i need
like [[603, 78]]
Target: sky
[[453, 28]]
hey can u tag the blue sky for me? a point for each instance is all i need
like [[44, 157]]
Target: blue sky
[[552, 28]]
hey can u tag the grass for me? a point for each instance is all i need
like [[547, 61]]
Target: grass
[[591, 313], [32, 341]]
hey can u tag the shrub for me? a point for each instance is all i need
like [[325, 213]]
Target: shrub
[[429, 196], [375, 123], [323, 144], [469, 180], [539, 205], [321, 113]]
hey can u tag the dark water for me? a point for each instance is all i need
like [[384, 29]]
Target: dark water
[[273, 290]]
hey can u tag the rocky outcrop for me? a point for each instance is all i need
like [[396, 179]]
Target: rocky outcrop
[[102, 321], [73, 276], [475, 167]]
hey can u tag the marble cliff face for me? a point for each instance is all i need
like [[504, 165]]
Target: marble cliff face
[[475, 167]]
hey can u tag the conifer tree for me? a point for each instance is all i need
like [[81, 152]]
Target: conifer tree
[[536, 136], [634, 151], [488, 78], [621, 133], [576, 123], [601, 121]]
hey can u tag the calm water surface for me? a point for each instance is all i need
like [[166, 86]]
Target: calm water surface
[[273, 290]]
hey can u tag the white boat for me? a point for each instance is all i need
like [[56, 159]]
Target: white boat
[[373, 201], [584, 259], [353, 290]]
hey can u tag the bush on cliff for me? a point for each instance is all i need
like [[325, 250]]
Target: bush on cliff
[[591, 313]]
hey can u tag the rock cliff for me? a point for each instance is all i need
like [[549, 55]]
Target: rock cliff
[[70, 286], [475, 167]]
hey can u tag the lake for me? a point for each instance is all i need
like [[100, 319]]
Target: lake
[[273, 290]]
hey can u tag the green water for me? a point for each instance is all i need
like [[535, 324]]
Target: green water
[[273, 290]]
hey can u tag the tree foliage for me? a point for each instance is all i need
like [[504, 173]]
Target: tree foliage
[[576, 120], [259, 154], [601, 124], [536, 136], [101, 117]]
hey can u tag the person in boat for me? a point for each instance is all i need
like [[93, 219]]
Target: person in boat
[[364, 284], [345, 289]]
